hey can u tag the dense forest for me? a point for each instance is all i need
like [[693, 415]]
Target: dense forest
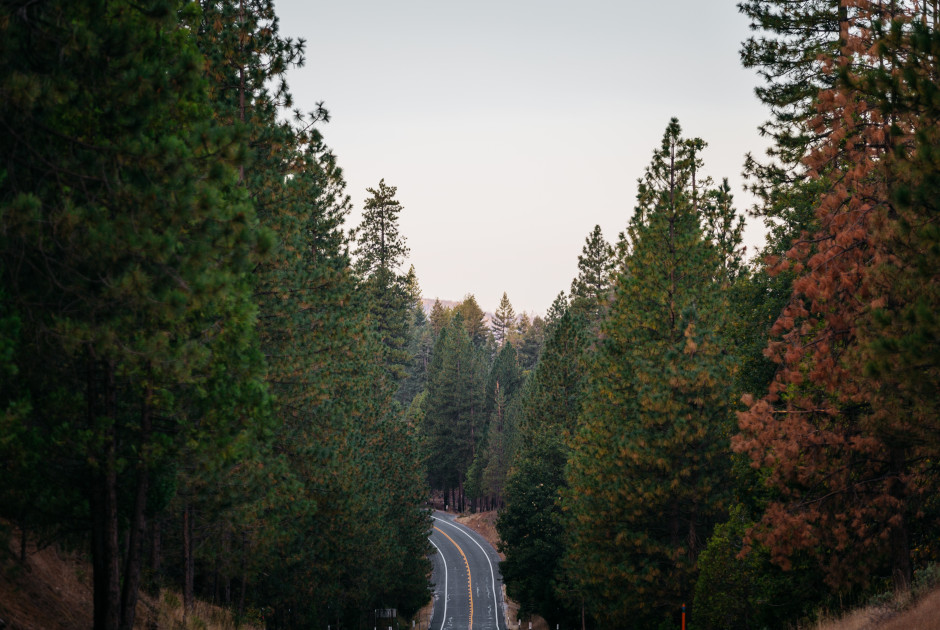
[[210, 381], [755, 439], [199, 378]]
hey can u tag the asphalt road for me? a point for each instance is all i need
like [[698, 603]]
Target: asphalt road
[[467, 583]]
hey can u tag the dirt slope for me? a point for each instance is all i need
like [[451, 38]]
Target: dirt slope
[[52, 591]]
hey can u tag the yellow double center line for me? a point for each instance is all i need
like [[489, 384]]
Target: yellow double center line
[[467, 564]]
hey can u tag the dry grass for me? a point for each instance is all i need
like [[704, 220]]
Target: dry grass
[[52, 591], [423, 617], [483, 523], [168, 613], [900, 614]]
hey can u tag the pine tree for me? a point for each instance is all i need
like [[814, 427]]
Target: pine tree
[[473, 319], [504, 321], [591, 289], [531, 526], [334, 400], [530, 338], [835, 436], [789, 53], [380, 252], [724, 229], [439, 317], [420, 344], [454, 409], [491, 461], [118, 174], [648, 470]]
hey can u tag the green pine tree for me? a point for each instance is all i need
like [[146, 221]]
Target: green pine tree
[[504, 321], [530, 525], [591, 289], [648, 471], [455, 414], [119, 174], [380, 252]]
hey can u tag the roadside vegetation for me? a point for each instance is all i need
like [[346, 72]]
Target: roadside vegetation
[[212, 387]]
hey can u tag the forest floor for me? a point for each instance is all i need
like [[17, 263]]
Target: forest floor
[[52, 591]]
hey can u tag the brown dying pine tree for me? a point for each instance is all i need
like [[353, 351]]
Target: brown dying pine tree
[[839, 441]]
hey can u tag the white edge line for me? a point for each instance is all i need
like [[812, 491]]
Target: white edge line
[[444, 562], [460, 529]]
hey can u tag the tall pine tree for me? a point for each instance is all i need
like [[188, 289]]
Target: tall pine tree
[[648, 469], [380, 252], [126, 250]]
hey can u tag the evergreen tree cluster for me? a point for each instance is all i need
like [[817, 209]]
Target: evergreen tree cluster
[[463, 393], [755, 440], [199, 385], [210, 383]]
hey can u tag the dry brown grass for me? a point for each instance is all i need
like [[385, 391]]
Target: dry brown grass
[[900, 614], [168, 613], [52, 591]]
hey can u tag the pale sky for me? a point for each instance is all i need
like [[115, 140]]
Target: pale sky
[[512, 127]]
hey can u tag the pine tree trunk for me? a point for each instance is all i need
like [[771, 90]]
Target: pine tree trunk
[[107, 594], [105, 549], [188, 563], [241, 595], [227, 579], [23, 540], [156, 556], [901, 570], [244, 585], [132, 566]]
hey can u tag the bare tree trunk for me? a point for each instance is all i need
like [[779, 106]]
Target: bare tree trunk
[[132, 565], [156, 555], [241, 595], [188, 562], [105, 549], [23, 540], [901, 569]]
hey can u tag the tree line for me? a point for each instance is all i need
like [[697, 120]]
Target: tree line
[[199, 373], [753, 439], [212, 384]]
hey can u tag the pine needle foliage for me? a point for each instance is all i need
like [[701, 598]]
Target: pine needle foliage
[[127, 248], [648, 470]]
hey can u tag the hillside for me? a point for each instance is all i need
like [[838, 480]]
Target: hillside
[[52, 591]]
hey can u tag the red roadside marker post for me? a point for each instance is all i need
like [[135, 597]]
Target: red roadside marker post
[[683, 616]]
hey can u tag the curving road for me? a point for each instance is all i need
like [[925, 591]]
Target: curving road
[[467, 583]]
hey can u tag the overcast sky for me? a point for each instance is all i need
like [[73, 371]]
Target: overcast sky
[[512, 127]]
